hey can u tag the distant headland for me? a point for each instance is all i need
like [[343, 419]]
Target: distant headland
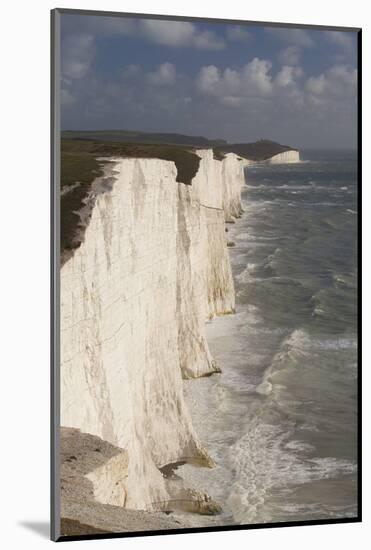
[[257, 151]]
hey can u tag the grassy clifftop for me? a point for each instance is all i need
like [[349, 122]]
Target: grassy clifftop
[[133, 136], [257, 151], [80, 167], [78, 158]]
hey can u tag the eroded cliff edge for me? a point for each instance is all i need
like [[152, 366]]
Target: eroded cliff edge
[[152, 267]]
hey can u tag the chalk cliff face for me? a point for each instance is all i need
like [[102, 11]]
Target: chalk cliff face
[[285, 157], [135, 295], [281, 158]]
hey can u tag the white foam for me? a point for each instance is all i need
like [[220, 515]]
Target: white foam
[[246, 275], [242, 236], [291, 347], [264, 459]]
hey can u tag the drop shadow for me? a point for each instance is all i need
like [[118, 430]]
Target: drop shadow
[[41, 528]]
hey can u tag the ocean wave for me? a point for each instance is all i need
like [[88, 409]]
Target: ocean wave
[[290, 348], [273, 255], [266, 459], [330, 304], [260, 271], [296, 345], [307, 187], [246, 275], [243, 236], [320, 301], [343, 281], [311, 186]]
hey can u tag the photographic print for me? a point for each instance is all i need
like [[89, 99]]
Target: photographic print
[[205, 285]]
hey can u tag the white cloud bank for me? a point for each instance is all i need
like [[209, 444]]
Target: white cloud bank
[[343, 40], [254, 79], [179, 34], [164, 75], [173, 34], [338, 82]]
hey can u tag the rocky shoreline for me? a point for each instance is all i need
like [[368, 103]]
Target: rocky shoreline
[[81, 513]]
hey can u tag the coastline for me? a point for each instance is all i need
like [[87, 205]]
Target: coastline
[[227, 392], [287, 366], [203, 396], [195, 222]]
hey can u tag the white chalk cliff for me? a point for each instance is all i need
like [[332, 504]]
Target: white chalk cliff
[[285, 157], [152, 268]]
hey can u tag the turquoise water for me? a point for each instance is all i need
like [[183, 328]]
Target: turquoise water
[[281, 420]]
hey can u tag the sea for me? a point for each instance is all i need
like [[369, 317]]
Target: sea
[[280, 421]]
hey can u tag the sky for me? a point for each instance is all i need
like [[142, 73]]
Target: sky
[[218, 80]]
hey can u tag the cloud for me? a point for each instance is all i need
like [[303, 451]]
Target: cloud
[[290, 55], [207, 40], [316, 84], [286, 98], [217, 98], [98, 25], [208, 78], [336, 83], [343, 40], [238, 33], [66, 97], [230, 86], [77, 55], [294, 37], [163, 32], [288, 76], [164, 75], [176, 33], [256, 76], [180, 34]]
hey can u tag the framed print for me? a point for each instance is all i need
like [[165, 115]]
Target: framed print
[[206, 195]]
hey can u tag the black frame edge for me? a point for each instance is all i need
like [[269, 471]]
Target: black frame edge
[[359, 279], [225, 528], [54, 274], [73, 11]]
